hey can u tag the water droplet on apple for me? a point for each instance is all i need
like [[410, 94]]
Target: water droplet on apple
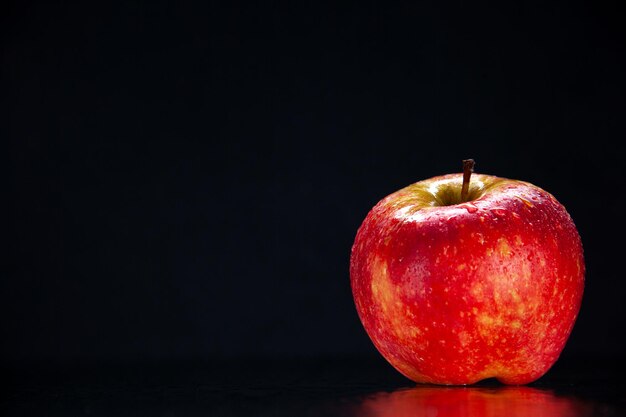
[[470, 208], [499, 211], [527, 203]]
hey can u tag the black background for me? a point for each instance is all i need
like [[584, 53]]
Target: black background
[[185, 179]]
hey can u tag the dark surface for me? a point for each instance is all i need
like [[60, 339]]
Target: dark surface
[[185, 181], [304, 387]]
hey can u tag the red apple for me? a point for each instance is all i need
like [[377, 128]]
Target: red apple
[[457, 280]]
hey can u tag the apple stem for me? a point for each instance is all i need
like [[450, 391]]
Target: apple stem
[[468, 168]]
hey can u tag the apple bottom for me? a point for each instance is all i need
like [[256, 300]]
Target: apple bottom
[[511, 333], [498, 369], [454, 365]]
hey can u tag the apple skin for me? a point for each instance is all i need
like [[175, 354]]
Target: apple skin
[[454, 292]]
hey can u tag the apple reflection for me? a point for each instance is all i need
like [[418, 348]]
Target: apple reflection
[[427, 401]]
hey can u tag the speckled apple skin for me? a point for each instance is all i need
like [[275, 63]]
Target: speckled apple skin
[[459, 293]]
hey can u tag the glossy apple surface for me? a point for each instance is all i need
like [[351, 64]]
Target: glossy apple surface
[[454, 292]]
